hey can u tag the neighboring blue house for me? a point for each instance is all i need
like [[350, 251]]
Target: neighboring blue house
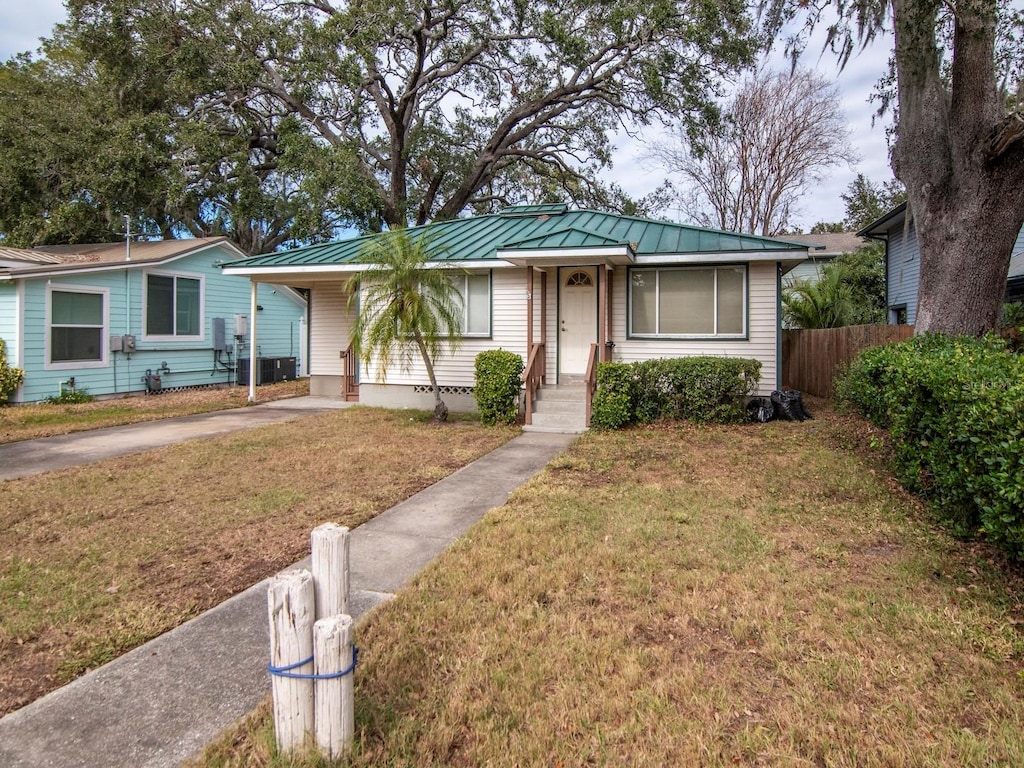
[[823, 249], [115, 319], [903, 264]]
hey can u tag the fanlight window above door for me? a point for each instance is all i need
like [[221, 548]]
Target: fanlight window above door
[[579, 278]]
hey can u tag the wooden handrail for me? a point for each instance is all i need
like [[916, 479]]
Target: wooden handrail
[[533, 376], [348, 377], [591, 379]]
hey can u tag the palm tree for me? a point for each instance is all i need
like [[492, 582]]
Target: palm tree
[[404, 307], [826, 303]]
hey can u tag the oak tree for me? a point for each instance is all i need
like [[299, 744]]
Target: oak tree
[[959, 142]]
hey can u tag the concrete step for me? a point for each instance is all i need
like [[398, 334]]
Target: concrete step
[[578, 407], [567, 423], [563, 393]]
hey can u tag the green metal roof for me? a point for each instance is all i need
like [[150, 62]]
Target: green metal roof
[[539, 227]]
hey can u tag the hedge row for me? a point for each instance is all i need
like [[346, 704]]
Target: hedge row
[[954, 408], [701, 389]]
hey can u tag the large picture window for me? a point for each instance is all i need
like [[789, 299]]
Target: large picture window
[[475, 291], [688, 302], [173, 306], [77, 327]]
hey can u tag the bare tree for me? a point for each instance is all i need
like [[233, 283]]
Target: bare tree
[[779, 135]]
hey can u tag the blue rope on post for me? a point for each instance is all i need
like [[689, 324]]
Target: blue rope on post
[[287, 670]]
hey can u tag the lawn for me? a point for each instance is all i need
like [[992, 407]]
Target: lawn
[[680, 595], [98, 559], [27, 422]]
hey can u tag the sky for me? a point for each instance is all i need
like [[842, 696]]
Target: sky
[[22, 24]]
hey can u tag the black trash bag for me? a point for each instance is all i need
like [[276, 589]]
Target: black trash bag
[[789, 404], [760, 409]]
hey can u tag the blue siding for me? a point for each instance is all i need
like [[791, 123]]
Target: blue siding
[[1017, 259], [903, 270], [806, 270], [9, 319], [191, 362]]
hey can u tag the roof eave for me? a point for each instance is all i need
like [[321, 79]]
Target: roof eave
[[880, 225], [616, 255]]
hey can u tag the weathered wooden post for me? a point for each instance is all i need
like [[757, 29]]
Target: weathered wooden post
[[290, 602], [329, 543], [335, 657], [335, 664]]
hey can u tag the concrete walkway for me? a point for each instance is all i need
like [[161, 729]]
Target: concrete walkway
[[32, 457], [163, 702]]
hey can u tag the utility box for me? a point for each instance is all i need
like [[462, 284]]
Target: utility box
[[241, 325], [128, 343], [219, 335], [116, 343]]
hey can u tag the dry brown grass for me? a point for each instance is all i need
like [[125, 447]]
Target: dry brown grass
[[95, 560], [684, 596], [28, 422]]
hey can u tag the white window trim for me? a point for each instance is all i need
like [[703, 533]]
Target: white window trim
[[146, 336], [75, 365], [741, 336], [463, 290]]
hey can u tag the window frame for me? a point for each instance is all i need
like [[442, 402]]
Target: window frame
[[463, 290], [49, 363], [743, 335], [201, 322]]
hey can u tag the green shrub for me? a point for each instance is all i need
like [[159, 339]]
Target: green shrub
[[613, 404], [954, 407], [10, 377], [498, 381], [70, 397], [700, 389]]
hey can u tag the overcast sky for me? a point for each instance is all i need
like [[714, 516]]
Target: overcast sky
[[21, 27]]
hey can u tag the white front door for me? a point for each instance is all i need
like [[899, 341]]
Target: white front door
[[577, 318]]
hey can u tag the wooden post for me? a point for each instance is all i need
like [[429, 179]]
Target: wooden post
[[290, 601], [330, 547], [529, 309], [335, 708]]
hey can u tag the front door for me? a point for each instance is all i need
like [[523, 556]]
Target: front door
[[577, 319]]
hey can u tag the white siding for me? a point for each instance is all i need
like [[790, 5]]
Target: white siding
[[329, 327], [508, 331], [760, 344]]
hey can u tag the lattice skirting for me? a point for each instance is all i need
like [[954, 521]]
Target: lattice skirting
[[212, 385], [445, 390]]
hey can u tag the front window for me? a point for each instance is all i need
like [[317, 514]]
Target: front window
[[688, 302], [77, 327], [475, 291], [173, 306]]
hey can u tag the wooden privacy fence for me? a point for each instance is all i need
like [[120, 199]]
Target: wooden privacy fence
[[811, 358]]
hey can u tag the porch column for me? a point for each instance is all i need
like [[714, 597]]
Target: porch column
[[602, 309], [252, 342], [606, 352], [544, 324], [529, 311]]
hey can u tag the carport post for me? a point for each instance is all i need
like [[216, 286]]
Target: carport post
[[252, 341]]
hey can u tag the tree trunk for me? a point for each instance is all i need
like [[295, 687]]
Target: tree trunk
[[440, 409], [965, 255], [963, 179]]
